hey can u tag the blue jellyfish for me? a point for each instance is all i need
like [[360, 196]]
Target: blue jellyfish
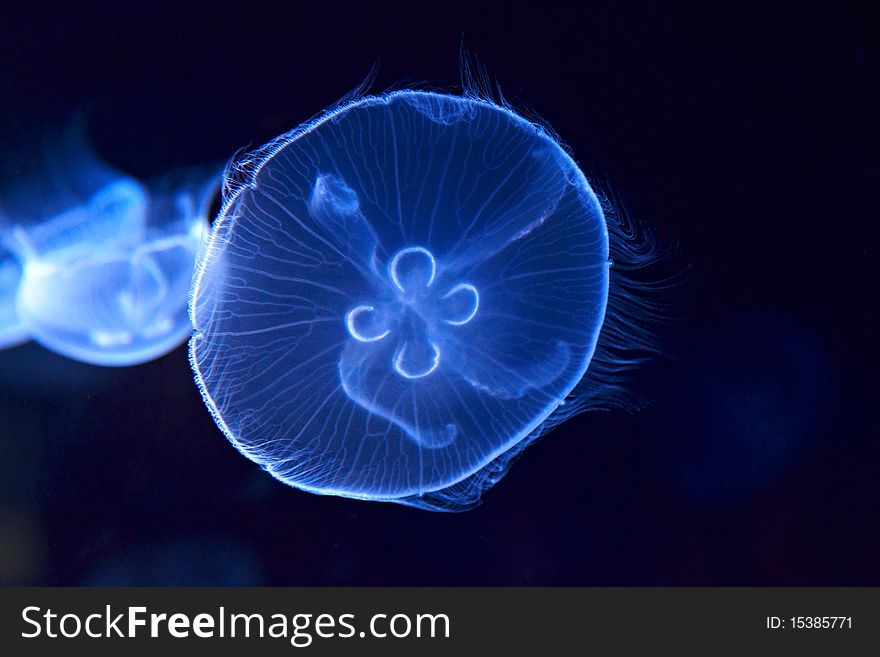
[[106, 264], [402, 294], [12, 330]]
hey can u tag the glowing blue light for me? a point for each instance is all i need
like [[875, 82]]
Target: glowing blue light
[[12, 331], [400, 296], [106, 278]]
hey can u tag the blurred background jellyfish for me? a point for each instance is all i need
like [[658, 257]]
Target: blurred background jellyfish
[[12, 330], [106, 261], [401, 295]]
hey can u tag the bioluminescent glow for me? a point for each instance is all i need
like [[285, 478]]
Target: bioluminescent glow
[[105, 278], [403, 294], [12, 331]]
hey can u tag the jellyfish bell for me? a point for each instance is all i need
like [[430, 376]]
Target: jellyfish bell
[[403, 294], [106, 279]]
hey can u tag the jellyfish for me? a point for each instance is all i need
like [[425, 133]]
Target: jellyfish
[[402, 294], [106, 262]]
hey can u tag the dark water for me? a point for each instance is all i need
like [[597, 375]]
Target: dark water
[[749, 137]]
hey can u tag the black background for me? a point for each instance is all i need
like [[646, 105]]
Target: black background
[[748, 137]]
